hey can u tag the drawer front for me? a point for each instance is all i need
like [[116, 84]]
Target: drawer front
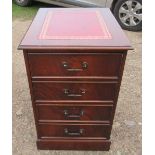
[[73, 91], [76, 113], [73, 130], [46, 64]]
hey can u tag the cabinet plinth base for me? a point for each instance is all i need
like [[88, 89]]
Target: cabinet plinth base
[[98, 145]]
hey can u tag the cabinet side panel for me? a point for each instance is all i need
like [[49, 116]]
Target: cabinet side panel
[[118, 86], [30, 87]]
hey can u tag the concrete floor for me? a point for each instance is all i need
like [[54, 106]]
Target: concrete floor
[[126, 132]]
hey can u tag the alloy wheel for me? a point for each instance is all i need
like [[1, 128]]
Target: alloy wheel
[[130, 13]]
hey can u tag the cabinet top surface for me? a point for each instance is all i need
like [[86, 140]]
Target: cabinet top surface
[[74, 28]]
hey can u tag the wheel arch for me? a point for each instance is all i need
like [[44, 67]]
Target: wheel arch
[[113, 5]]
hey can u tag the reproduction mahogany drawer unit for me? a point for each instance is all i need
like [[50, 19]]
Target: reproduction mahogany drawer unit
[[74, 60]]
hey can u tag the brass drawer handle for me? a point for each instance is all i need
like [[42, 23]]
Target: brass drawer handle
[[66, 131], [66, 113], [84, 65], [67, 93]]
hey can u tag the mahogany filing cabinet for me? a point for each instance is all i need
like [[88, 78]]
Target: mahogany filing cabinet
[[74, 60]]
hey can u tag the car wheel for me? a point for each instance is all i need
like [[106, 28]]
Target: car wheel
[[23, 2], [129, 14]]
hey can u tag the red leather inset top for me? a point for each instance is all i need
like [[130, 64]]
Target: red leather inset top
[[74, 25]]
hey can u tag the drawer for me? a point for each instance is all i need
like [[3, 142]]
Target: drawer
[[47, 113], [73, 130], [55, 90], [48, 64]]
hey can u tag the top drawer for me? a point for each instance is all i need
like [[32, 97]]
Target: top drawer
[[68, 64]]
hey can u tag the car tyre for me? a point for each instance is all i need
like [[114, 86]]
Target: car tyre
[[129, 14], [23, 2]]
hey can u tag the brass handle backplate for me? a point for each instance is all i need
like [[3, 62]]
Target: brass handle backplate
[[77, 116], [84, 65], [67, 92], [68, 133]]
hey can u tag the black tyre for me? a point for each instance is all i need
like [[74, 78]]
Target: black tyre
[[23, 2], [129, 14]]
